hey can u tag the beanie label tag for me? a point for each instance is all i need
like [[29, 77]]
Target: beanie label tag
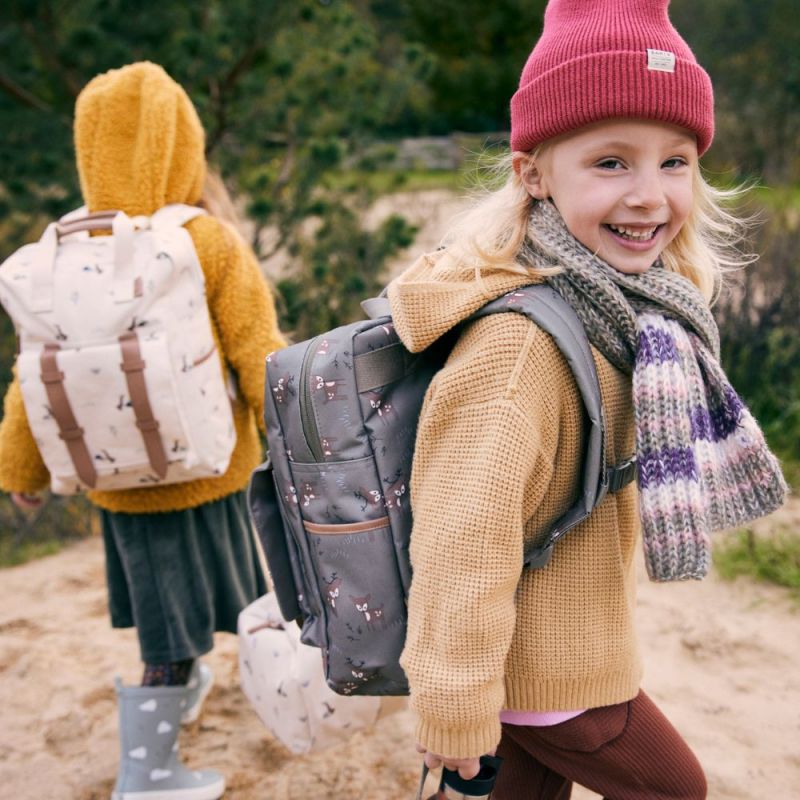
[[661, 60]]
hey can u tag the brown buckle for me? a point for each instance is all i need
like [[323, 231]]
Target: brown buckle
[[52, 376], [133, 365], [71, 434], [147, 425]]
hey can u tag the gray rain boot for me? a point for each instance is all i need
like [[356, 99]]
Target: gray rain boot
[[201, 679], [149, 719]]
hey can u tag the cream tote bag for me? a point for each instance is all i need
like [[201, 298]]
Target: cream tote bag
[[284, 681]]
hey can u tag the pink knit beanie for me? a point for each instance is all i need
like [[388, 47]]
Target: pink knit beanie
[[609, 59]]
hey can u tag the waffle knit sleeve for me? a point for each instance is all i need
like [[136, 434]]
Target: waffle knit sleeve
[[21, 465], [476, 463], [241, 305]]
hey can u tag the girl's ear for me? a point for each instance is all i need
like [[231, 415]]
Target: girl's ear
[[531, 175]]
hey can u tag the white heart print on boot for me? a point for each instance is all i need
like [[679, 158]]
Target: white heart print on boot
[[149, 721]]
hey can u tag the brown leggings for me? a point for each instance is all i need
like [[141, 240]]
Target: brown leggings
[[623, 752]]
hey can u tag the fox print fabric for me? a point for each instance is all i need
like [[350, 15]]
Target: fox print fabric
[[345, 427], [332, 504]]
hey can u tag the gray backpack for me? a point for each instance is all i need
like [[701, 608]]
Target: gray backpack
[[331, 504]]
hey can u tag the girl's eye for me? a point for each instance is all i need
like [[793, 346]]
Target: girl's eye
[[609, 163], [674, 163]]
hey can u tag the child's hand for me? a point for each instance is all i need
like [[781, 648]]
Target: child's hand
[[467, 767], [27, 502]]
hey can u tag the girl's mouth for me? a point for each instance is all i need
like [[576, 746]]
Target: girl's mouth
[[634, 234]]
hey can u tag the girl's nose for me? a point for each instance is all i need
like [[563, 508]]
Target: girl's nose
[[647, 191]]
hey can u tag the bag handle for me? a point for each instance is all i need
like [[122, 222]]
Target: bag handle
[[423, 778], [377, 307], [126, 285], [41, 299], [95, 221], [175, 215]]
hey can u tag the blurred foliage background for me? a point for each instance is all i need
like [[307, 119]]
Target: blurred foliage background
[[304, 103]]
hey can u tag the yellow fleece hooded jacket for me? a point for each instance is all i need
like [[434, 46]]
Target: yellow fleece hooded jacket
[[140, 146]]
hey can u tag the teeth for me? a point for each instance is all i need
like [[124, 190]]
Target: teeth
[[629, 233]]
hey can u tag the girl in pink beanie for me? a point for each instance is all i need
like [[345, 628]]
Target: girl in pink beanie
[[605, 201]]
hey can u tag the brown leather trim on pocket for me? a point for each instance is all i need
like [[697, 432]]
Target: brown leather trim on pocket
[[355, 527]]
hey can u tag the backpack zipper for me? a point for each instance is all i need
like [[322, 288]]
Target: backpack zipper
[[307, 417]]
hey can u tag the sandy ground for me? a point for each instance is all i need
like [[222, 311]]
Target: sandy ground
[[721, 659]]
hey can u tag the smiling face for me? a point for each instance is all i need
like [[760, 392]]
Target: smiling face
[[623, 187]]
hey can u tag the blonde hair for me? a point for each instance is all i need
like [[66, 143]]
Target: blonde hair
[[488, 236], [216, 199]]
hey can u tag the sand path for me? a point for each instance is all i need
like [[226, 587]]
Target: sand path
[[721, 659]]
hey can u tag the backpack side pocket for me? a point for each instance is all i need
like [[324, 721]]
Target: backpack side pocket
[[267, 517]]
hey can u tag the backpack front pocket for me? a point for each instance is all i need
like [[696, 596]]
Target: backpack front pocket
[[356, 568], [105, 416]]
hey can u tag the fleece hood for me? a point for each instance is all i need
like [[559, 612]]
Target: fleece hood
[[138, 141], [438, 292]]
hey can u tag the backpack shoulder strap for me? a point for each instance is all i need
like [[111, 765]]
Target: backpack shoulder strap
[[545, 307], [175, 215]]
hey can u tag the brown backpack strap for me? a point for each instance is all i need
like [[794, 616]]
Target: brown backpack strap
[[68, 429], [133, 367]]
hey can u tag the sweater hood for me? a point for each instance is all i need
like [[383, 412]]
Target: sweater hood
[[438, 292], [138, 141]]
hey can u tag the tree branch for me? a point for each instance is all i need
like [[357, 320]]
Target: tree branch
[[220, 91], [25, 97], [46, 50]]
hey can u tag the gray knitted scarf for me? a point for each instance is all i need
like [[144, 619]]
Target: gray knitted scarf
[[703, 463]]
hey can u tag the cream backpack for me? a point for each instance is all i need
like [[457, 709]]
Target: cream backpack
[[120, 376]]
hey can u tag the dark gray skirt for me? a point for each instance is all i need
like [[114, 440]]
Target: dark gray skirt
[[178, 577]]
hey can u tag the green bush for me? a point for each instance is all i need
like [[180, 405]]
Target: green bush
[[773, 558], [29, 534], [759, 316]]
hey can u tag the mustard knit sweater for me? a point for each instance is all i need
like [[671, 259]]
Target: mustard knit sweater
[[140, 146], [497, 459]]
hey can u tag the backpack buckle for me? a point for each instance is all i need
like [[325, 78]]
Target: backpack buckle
[[539, 557], [71, 434], [620, 475]]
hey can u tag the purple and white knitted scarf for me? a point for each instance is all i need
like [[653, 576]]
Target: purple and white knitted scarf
[[703, 463]]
